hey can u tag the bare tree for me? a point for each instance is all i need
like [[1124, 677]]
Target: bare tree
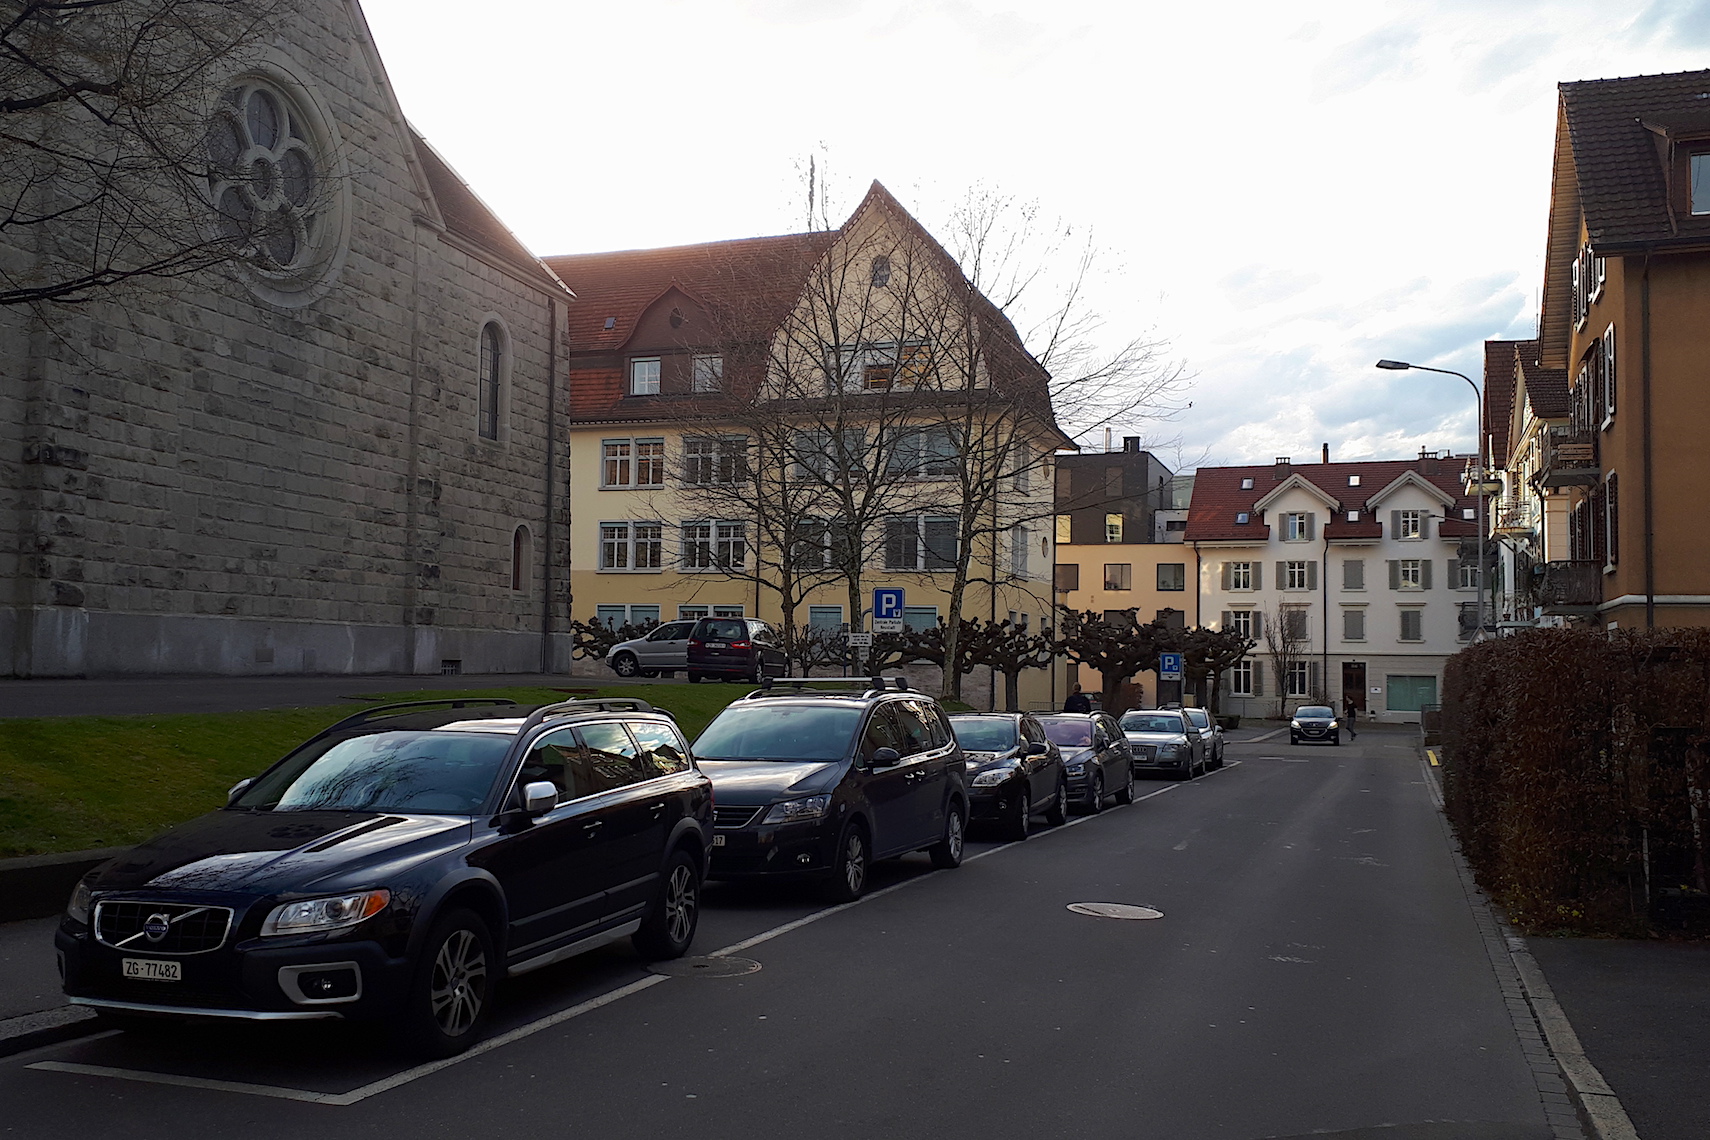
[[107, 163], [1286, 638]]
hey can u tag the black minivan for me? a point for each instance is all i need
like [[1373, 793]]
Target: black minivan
[[813, 783], [741, 649], [400, 863]]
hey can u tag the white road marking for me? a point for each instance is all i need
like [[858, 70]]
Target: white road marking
[[386, 1084]]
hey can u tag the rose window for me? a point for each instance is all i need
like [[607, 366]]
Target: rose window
[[264, 179]]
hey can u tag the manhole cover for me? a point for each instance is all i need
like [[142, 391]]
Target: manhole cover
[[705, 967], [1116, 910]]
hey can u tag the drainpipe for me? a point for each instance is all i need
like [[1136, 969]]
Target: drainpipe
[[551, 461], [1645, 427], [1324, 604]]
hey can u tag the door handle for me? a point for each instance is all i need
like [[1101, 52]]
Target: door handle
[[594, 826], [658, 808]]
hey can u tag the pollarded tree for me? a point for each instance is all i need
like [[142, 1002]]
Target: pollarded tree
[[1118, 649]]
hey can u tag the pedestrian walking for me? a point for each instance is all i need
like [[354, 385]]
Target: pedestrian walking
[[1077, 702], [1350, 714]]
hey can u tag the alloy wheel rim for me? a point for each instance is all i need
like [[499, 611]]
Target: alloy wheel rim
[[953, 833], [1062, 799], [459, 983], [1023, 821], [680, 902], [854, 862]]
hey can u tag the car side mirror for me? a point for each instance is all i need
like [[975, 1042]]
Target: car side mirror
[[885, 758], [1037, 748], [237, 790], [539, 797]]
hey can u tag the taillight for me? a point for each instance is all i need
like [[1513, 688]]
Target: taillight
[[693, 644], [739, 645]]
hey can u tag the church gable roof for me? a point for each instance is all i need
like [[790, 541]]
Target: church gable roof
[[469, 218]]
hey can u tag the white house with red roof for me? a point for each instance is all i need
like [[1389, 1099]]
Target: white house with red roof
[[1352, 569]]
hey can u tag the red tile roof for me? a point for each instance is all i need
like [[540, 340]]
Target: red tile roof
[[1547, 391], [468, 217], [1500, 364], [1218, 497]]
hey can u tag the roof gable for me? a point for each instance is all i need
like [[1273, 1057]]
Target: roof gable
[[1412, 479], [471, 219], [1298, 482]]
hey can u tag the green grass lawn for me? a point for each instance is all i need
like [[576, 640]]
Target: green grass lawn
[[71, 783]]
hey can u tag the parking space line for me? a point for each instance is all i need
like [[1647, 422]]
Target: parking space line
[[386, 1084]]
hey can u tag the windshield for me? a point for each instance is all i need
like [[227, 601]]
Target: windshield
[[447, 773], [1151, 722], [985, 733], [779, 733], [1075, 733], [1320, 711]]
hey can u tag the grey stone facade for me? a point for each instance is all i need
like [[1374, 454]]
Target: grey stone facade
[[227, 479]]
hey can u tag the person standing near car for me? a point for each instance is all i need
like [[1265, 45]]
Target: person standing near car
[[1350, 713], [1077, 702]]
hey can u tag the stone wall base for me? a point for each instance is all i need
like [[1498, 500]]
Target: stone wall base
[[63, 641]]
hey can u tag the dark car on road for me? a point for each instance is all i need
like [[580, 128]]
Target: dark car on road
[[1014, 771], [1316, 723], [400, 863], [1096, 757], [738, 649], [1164, 741], [817, 783]]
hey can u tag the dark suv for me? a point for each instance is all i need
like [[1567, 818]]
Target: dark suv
[[400, 863], [816, 783], [742, 649]]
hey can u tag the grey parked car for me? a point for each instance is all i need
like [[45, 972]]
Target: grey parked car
[[661, 650], [1209, 731], [1162, 740]]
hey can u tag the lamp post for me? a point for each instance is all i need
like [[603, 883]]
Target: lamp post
[[1478, 397]]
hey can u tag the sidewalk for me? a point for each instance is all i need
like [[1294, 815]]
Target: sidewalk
[[135, 696]]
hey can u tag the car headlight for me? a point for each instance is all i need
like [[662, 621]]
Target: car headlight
[[335, 913], [1294, 724], [1074, 769], [1165, 751], [1333, 724], [992, 777], [78, 908], [795, 811]]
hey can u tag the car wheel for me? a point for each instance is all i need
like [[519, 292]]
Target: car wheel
[[1095, 795], [1336, 739], [1058, 813], [650, 672], [848, 880], [1125, 794], [694, 677], [625, 665], [452, 991], [670, 927], [1293, 739], [947, 852], [1021, 819]]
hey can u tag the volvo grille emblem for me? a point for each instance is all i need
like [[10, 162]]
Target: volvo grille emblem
[[156, 927]]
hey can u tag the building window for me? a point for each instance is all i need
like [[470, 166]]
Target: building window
[[644, 377], [881, 272], [1240, 576], [1247, 483], [614, 546], [522, 559], [1353, 574], [1701, 184], [1242, 518], [879, 367], [1607, 345], [1067, 578], [1064, 530], [708, 373], [1409, 694], [920, 617], [822, 544], [1353, 481], [1466, 615], [824, 456], [715, 546], [1413, 625], [649, 463], [1241, 678], [1410, 524], [825, 617], [1023, 475], [701, 611], [1410, 574], [1113, 528], [1297, 575], [1294, 623], [631, 546], [1353, 625], [614, 616], [1299, 679], [1118, 576], [920, 542], [922, 453], [1018, 551], [492, 372], [1466, 574], [1611, 522], [649, 546], [1172, 576], [1297, 526], [615, 463], [1240, 621], [715, 460]]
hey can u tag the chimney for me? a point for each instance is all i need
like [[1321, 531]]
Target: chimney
[[1326, 453], [1131, 444], [1107, 439], [1283, 463]]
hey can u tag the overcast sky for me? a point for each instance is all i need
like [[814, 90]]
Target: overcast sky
[[1285, 192]]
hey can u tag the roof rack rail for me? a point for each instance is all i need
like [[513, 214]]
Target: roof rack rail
[[871, 684], [375, 712], [588, 704]]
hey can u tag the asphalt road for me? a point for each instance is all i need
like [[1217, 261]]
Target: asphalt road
[[1317, 971]]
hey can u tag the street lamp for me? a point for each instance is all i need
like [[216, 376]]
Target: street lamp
[[1478, 397]]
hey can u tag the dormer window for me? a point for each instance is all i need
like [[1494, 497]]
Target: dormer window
[[1353, 481], [644, 377], [1242, 518], [1354, 516], [1701, 184], [1247, 484]]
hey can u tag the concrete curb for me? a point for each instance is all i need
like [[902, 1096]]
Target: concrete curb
[[37, 886], [49, 1027]]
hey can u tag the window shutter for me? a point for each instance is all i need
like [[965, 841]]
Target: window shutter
[[1451, 573], [1609, 369], [1228, 620], [1312, 575], [1311, 524], [1282, 575], [1353, 574], [1395, 524], [1258, 667], [1353, 625], [1315, 673], [1425, 526], [1425, 573], [1258, 575], [1258, 625], [1226, 576], [1395, 573]]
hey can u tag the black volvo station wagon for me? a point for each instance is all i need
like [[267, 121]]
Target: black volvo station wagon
[[400, 863]]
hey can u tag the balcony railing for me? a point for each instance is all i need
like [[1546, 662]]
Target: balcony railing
[[1513, 517], [1571, 588], [1569, 459]]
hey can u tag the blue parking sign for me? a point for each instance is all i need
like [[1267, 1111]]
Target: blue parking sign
[[888, 602], [1169, 666]]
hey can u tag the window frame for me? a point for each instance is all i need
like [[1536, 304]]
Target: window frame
[[634, 385], [1410, 525], [1402, 570], [1180, 577], [1417, 614], [707, 379], [715, 460], [493, 360], [631, 545], [1121, 580]]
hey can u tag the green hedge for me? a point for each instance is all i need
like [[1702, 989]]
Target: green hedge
[[1573, 763]]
